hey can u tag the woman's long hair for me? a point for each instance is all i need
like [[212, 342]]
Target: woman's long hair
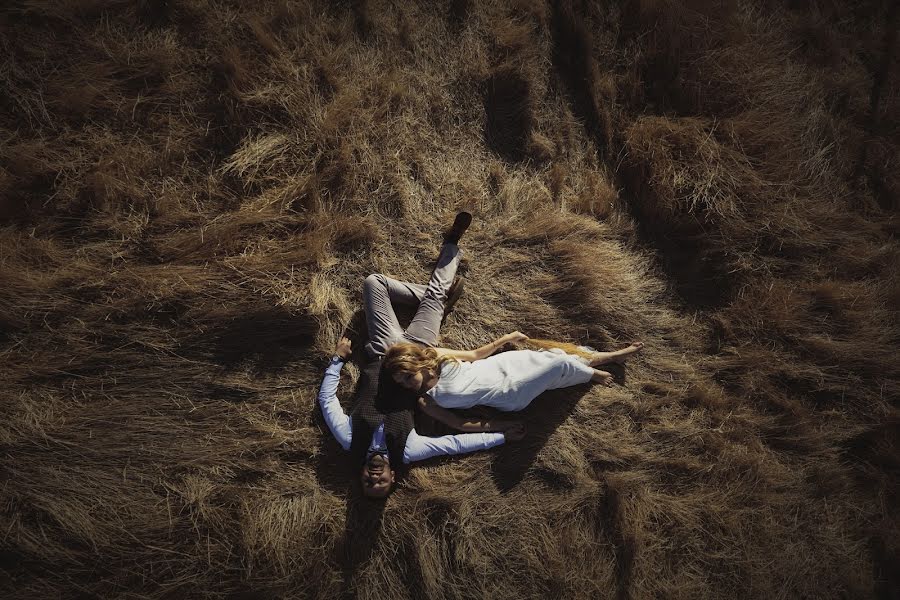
[[408, 359], [564, 346]]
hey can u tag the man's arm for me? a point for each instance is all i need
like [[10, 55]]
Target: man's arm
[[419, 447], [484, 351], [451, 419], [338, 421]]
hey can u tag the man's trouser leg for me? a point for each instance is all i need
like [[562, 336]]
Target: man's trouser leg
[[379, 294], [426, 325]]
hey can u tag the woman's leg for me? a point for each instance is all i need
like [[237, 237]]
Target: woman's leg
[[603, 377], [379, 293], [618, 356], [577, 369], [558, 370], [538, 372]]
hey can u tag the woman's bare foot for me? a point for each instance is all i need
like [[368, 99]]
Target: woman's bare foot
[[602, 377], [618, 356]]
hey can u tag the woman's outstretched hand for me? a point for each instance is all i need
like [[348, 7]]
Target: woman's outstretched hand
[[515, 337], [343, 348]]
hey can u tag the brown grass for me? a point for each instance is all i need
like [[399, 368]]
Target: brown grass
[[191, 194]]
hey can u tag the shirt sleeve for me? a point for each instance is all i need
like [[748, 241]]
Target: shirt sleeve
[[338, 421], [419, 447]]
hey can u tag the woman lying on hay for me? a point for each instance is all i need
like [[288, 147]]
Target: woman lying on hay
[[508, 381]]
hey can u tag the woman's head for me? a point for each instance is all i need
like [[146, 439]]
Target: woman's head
[[411, 365]]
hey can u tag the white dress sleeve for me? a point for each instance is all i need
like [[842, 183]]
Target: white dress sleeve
[[338, 421], [419, 447]]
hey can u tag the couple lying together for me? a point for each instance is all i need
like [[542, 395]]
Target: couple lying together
[[380, 430]]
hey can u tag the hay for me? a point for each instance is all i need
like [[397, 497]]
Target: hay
[[193, 192]]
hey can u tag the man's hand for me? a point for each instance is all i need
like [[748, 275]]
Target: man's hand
[[343, 348], [516, 432], [503, 424], [514, 337]]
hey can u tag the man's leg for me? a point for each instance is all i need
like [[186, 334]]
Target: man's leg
[[426, 324], [379, 292]]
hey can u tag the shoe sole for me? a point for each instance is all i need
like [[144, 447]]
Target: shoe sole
[[460, 225]]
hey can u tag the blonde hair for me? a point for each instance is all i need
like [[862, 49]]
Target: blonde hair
[[564, 346], [408, 359]]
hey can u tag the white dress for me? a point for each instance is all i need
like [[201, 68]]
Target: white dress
[[508, 381]]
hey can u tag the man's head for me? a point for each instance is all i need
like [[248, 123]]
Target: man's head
[[377, 476]]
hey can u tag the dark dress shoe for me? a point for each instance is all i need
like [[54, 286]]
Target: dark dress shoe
[[460, 224]]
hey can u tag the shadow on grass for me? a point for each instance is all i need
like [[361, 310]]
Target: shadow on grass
[[267, 339], [542, 417], [362, 531], [337, 472]]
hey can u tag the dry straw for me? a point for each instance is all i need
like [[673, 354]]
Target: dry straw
[[191, 193]]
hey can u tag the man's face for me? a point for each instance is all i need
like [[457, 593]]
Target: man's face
[[377, 476], [411, 381]]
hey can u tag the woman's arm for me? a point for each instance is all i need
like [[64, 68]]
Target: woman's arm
[[484, 351], [451, 419]]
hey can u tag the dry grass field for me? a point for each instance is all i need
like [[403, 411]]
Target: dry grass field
[[193, 191]]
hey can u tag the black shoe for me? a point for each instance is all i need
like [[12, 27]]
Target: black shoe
[[460, 224], [453, 294]]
